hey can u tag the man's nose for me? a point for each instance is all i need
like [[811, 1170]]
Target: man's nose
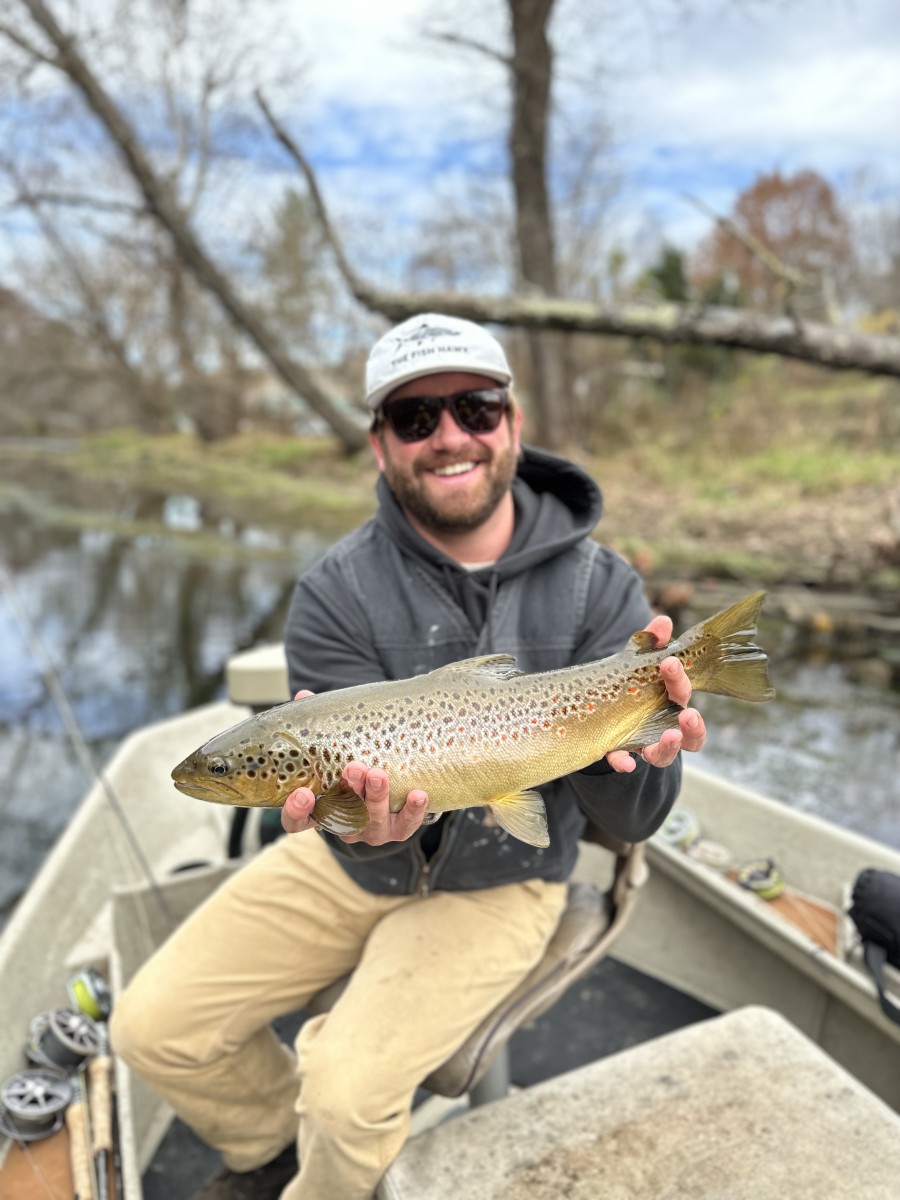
[[448, 434]]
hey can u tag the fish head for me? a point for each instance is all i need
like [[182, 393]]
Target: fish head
[[247, 766]]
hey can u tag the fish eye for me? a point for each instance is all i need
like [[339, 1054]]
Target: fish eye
[[218, 766]]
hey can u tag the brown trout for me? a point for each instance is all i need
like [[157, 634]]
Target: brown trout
[[475, 732]]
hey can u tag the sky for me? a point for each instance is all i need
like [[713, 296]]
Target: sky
[[701, 97]]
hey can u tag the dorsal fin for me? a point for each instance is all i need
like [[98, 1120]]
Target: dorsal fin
[[643, 642], [491, 666]]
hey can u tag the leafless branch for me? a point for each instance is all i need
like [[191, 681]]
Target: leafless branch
[[467, 43], [757, 248], [23, 43], [838, 349], [78, 200], [164, 208]]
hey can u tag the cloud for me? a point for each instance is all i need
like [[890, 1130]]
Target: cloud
[[701, 98]]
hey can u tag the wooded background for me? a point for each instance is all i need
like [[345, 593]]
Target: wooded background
[[129, 125]]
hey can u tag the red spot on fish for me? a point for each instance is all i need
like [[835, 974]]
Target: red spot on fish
[[633, 691]]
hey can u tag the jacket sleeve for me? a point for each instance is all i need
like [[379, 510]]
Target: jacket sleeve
[[629, 806], [328, 640]]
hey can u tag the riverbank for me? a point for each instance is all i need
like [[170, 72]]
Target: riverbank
[[793, 517]]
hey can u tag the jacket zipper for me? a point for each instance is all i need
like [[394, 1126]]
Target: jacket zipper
[[423, 881]]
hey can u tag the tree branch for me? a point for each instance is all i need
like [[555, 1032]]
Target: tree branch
[[824, 345], [22, 43], [164, 208], [754, 246], [467, 43]]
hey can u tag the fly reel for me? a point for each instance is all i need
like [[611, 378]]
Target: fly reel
[[62, 1038], [89, 993], [32, 1103]]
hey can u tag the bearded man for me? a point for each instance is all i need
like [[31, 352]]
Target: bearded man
[[478, 546]]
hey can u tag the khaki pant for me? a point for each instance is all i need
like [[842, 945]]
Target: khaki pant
[[195, 1020]]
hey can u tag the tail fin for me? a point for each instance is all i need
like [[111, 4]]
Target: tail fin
[[721, 656]]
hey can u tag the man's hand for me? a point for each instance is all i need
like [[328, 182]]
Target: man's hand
[[691, 731], [372, 786]]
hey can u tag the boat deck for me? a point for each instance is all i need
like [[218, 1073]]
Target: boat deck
[[612, 1008]]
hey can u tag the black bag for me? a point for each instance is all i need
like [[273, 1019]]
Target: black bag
[[875, 911]]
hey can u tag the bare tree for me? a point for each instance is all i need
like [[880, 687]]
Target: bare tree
[[166, 189]]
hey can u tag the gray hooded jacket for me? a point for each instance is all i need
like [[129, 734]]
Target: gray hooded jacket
[[385, 604]]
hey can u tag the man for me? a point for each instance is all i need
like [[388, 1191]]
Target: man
[[477, 547]]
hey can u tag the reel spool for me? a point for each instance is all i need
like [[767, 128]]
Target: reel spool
[[62, 1038], [763, 877], [680, 828], [89, 993], [32, 1103]]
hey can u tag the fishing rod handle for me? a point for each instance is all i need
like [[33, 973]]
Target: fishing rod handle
[[76, 1123], [99, 1071]]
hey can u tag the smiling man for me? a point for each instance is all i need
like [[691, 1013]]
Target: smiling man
[[478, 546]]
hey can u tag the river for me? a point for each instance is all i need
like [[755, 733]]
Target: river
[[140, 611]]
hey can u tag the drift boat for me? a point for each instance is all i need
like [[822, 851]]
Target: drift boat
[[744, 904]]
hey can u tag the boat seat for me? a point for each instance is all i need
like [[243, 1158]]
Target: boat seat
[[590, 923]]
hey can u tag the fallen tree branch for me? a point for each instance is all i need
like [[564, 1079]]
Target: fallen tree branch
[[827, 346]]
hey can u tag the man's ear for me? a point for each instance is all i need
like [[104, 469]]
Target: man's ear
[[377, 449], [517, 430]]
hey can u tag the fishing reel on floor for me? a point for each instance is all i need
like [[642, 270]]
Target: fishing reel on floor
[[33, 1103], [62, 1038]]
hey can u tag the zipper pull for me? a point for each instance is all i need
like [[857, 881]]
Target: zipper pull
[[423, 879]]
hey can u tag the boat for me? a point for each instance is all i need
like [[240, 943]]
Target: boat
[[744, 905]]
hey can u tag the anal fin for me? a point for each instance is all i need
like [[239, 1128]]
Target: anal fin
[[523, 815], [652, 726], [340, 810]]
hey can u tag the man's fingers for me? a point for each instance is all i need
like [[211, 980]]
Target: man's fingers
[[621, 761], [665, 751], [297, 811], [661, 627], [411, 815], [693, 730], [678, 686], [303, 693]]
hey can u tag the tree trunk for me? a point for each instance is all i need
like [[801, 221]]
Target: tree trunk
[[532, 75]]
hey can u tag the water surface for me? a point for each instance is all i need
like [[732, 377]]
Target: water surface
[[140, 621]]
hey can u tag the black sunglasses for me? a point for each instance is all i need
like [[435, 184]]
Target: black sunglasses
[[415, 418]]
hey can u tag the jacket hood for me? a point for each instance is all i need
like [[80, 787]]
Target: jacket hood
[[557, 505]]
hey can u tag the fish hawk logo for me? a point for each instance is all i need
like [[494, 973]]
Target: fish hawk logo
[[426, 332]]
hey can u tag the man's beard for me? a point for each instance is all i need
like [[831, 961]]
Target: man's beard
[[411, 493]]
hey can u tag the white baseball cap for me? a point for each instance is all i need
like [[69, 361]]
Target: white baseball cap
[[427, 345]]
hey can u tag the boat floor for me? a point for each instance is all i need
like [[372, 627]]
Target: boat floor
[[612, 1008]]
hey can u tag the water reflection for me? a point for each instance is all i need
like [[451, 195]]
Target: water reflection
[[137, 629]]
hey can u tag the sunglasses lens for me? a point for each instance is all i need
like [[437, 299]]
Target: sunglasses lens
[[415, 418], [479, 412]]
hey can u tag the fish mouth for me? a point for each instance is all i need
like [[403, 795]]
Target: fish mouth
[[221, 793]]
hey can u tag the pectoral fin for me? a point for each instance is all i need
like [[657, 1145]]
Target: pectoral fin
[[340, 810], [652, 726], [523, 815]]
